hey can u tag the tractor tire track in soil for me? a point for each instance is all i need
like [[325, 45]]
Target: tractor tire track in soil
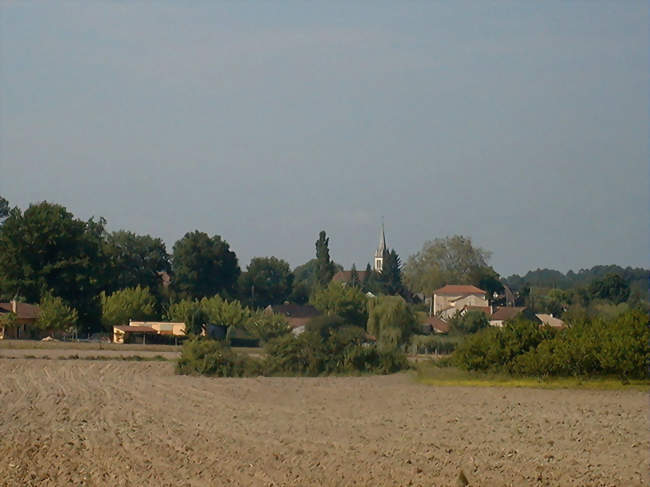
[[137, 423]]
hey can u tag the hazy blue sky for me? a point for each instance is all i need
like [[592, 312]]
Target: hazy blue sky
[[521, 124]]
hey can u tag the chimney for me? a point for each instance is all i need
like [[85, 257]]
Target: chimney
[[14, 306]]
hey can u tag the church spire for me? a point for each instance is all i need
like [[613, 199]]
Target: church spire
[[381, 249]]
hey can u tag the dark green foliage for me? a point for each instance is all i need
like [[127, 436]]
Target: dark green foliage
[[136, 260], [617, 346], [434, 344], [4, 208], [324, 266], [47, 249], [354, 277], [267, 280], [469, 322], [391, 275], [324, 325], [305, 281], [213, 358], [611, 287], [204, 266], [342, 351], [197, 319]]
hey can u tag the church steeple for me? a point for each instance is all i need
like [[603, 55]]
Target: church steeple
[[381, 251]]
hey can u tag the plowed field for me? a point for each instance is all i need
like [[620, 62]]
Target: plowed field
[[136, 423]]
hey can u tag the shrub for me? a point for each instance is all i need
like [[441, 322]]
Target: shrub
[[213, 358], [616, 346]]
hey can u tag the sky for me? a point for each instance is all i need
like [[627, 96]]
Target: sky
[[523, 125]]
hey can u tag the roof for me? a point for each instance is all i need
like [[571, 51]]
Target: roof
[[135, 329], [346, 276], [458, 290], [24, 311], [551, 320], [483, 309], [149, 323], [298, 322], [504, 313], [438, 325], [294, 310]]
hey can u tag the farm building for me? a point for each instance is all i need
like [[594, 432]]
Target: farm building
[[17, 320], [452, 298], [149, 332]]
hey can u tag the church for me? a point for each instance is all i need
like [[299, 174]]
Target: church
[[377, 264]]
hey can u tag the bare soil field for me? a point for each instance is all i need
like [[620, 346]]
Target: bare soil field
[[136, 423]]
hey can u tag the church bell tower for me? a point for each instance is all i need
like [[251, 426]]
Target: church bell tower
[[380, 253]]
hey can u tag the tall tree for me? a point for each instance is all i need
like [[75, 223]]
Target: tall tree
[[136, 260], [443, 261], [354, 277], [204, 266], [324, 265], [46, 250], [4, 208], [267, 280], [391, 275]]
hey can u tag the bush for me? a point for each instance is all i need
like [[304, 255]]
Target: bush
[[213, 358], [433, 344], [617, 346]]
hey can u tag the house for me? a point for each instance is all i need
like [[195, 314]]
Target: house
[[550, 320], [452, 298], [345, 277], [152, 331], [21, 325], [297, 315], [435, 325], [505, 313]]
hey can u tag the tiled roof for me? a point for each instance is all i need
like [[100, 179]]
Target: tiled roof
[[345, 276], [23, 310], [438, 325], [135, 329], [504, 313], [458, 290], [551, 320]]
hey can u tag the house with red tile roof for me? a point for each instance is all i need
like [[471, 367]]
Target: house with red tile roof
[[17, 320], [453, 298]]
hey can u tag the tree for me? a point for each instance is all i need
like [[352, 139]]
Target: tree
[[4, 208], [267, 280], [445, 260], [354, 277], [324, 266], [136, 260], [55, 315], [345, 301], [47, 249], [470, 322], [611, 287], [204, 266], [391, 275], [390, 320], [267, 326], [136, 304]]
